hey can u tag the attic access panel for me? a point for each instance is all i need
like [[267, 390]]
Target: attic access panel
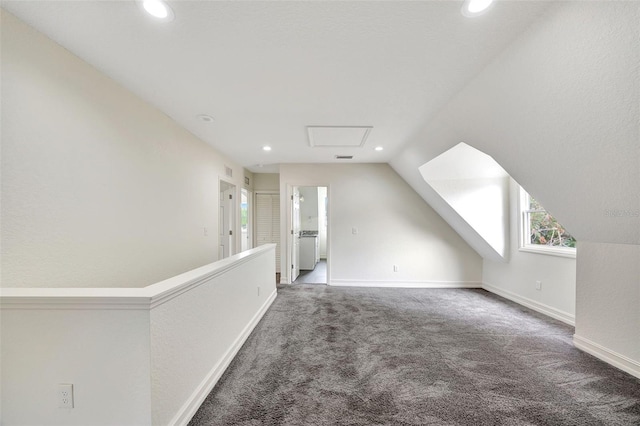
[[338, 136]]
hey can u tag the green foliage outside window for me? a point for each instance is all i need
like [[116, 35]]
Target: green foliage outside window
[[544, 229]]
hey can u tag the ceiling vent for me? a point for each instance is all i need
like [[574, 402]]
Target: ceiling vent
[[344, 157], [338, 136]]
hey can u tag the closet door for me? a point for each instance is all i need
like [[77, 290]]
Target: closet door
[[267, 222]]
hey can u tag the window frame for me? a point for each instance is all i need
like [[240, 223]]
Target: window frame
[[524, 244]]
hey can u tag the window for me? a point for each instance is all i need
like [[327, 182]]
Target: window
[[541, 233]]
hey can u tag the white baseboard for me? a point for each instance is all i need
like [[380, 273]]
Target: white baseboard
[[532, 304], [406, 284], [190, 407], [607, 355]]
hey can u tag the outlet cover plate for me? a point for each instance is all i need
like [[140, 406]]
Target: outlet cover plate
[[65, 395]]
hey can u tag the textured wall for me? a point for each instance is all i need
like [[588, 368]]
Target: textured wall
[[98, 188], [608, 302], [266, 182], [104, 353], [195, 335], [559, 110], [518, 277], [135, 356], [395, 227]]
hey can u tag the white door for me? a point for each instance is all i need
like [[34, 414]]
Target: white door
[[245, 220], [295, 234], [268, 222], [226, 220]]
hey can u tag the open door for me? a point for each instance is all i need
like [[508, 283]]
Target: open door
[[295, 234], [312, 240], [227, 220]]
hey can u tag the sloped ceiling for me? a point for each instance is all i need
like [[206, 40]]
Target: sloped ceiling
[[559, 110], [551, 90], [265, 70]]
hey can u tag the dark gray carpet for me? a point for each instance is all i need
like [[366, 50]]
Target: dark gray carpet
[[363, 356]]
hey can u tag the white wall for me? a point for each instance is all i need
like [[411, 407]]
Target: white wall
[[394, 227], [559, 110], [266, 182], [608, 303], [195, 335], [476, 192], [103, 351], [309, 208], [483, 204], [516, 280], [135, 356], [99, 189]]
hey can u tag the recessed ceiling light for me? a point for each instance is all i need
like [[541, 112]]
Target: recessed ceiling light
[[158, 9], [206, 118], [266, 148], [472, 8], [378, 148]]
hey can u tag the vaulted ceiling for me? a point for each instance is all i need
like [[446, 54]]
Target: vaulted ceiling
[[266, 70]]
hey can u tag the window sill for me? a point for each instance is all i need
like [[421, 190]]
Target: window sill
[[550, 251]]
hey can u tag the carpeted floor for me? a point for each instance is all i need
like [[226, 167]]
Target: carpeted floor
[[364, 356]]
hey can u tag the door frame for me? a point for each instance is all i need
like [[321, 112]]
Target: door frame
[[249, 238], [285, 235], [276, 193], [234, 215], [294, 237]]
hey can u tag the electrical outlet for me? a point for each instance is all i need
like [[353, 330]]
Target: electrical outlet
[[65, 395], [395, 268], [538, 285]]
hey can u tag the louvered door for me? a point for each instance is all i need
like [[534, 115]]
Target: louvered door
[[268, 222]]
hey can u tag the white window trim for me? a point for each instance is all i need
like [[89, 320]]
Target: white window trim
[[523, 240]]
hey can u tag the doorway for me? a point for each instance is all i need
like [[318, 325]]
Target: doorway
[[295, 234], [309, 225], [246, 220], [226, 218], [267, 223]]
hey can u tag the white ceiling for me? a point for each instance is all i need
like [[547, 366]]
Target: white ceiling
[[266, 70], [462, 162]]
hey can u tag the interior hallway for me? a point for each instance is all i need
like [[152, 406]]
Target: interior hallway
[[317, 276]]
